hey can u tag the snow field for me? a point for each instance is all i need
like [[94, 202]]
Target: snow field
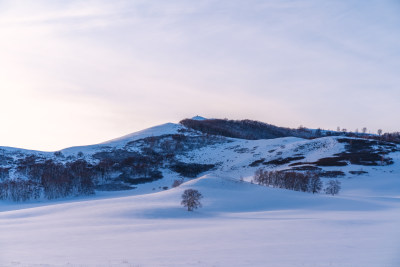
[[241, 224]]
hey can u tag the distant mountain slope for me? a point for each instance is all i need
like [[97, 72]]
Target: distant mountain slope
[[255, 130], [243, 129], [167, 128]]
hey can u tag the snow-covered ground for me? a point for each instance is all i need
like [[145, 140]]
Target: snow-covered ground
[[240, 223]]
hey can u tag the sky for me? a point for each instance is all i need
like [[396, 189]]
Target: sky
[[83, 72]]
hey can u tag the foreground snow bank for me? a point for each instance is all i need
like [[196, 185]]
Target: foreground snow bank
[[241, 224]]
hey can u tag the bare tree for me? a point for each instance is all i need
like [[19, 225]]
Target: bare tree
[[379, 132], [333, 187], [315, 184], [191, 199], [364, 130]]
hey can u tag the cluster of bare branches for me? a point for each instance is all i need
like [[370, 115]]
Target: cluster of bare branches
[[19, 190], [297, 181]]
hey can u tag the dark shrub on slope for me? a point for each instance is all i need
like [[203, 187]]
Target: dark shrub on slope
[[190, 169], [243, 129]]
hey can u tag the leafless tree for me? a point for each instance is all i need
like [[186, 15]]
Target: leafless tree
[[333, 187], [191, 199], [315, 184], [364, 130]]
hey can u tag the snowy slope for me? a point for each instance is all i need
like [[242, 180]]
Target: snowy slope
[[167, 128], [241, 224]]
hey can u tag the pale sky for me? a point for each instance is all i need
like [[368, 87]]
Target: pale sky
[[83, 72]]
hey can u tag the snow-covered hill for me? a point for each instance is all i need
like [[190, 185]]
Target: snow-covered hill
[[151, 159], [240, 223]]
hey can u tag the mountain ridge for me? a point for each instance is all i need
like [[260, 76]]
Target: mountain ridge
[[151, 159]]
